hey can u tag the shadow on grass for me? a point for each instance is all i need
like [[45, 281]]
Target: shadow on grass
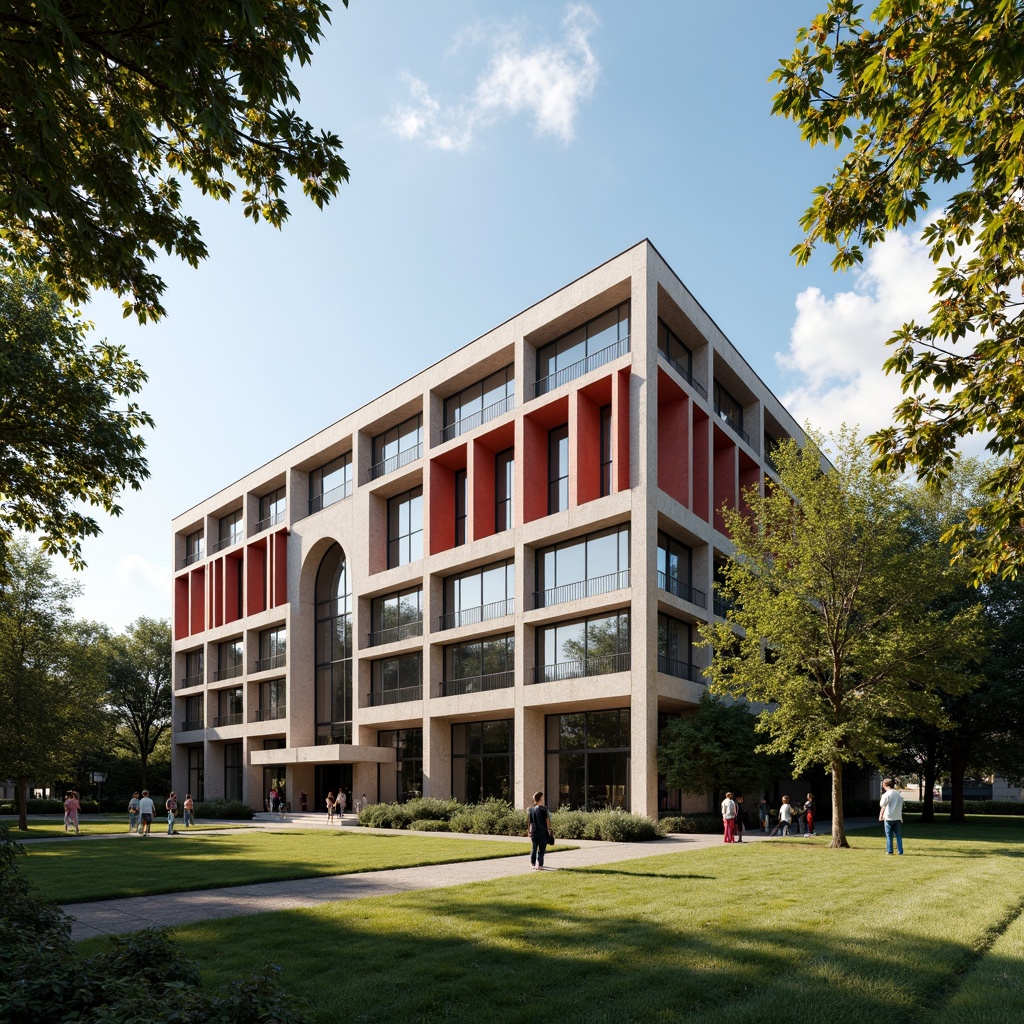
[[637, 874]]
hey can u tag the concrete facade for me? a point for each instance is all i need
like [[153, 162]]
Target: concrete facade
[[610, 439]]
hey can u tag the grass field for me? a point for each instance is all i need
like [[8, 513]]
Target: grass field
[[54, 828], [67, 872], [787, 931]]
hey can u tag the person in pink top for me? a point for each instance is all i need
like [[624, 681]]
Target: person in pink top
[[72, 806]]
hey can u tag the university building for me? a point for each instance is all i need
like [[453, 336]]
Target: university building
[[486, 581]]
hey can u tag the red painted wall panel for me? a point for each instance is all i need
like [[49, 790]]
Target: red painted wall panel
[[701, 467], [232, 587], [481, 499], [585, 450], [441, 517], [181, 608], [279, 595], [256, 577], [750, 476], [724, 483], [620, 431], [535, 475], [197, 600], [674, 445]]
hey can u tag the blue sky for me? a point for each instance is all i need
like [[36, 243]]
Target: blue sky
[[497, 151]]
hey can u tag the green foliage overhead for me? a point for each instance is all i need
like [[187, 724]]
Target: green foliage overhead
[[104, 103], [70, 435], [926, 95], [840, 613]]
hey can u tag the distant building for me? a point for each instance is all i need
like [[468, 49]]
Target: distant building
[[486, 581]]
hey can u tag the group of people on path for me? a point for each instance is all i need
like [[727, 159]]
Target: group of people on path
[[336, 805], [141, 811], [734, 817]]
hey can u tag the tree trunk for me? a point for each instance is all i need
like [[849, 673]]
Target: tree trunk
[[21, 784], [838, 826], [957, 771], [928, 774]]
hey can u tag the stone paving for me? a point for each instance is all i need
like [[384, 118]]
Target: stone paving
[[118, 916]]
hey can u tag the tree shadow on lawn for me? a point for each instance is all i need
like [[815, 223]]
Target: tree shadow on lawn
[[525, 960]]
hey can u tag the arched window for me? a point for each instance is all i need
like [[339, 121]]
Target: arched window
[[333, 646]]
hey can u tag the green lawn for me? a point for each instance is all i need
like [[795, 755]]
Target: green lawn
[[68, 872], [782, 931], [54, 829]]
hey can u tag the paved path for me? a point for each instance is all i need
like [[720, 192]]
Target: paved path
[[113, 917]]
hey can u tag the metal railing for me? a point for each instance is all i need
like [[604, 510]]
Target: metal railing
[[187, 681], [233, 719], [679, 669], [592, 587], [233, 672], [733, 425], [597, 666], [272, 520], [477, 684], [190, 558], [722, 606], [471, 616], [578, 369], [396, 461], [685, 373], [466, 423], [677, 588], [274, 661], [394, 633], [377, 698], [225, 542], [325, 498], [192, 725], [270, 714]]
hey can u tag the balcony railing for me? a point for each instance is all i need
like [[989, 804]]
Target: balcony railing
[[232, 672], [396, 461], [679, 669], [394, 633], [339, 493], [192, 725], [337, 732], [187, 681], [471, 616], [193, 556], [592, 587], [272, 520], [722, 606], [477, 684], [466, 423], [677, 588], [596, 666], [233, 719], [274, 661], [225, 542], [376, 698], [578, 369], [685, 373], [733, 425], [271, 714]]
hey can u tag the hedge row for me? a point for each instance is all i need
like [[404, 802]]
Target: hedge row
[[500, 818], [970, 806]]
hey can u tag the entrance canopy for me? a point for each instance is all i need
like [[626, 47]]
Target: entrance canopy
[[325, 753]]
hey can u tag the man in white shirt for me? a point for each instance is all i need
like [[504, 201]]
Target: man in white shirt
[[729, 818], [891, 815], [146, 813]]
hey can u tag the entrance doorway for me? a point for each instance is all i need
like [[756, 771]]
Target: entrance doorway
[[274, 777], [333, 778]]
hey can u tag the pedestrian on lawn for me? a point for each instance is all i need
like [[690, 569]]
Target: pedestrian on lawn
[[171, 803], [539, 830], [891, 816], [190, 818], [146, 810], [133, 813], [72, 805], [729, 818]]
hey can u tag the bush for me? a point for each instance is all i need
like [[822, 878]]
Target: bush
[[234, 810], [491, 818], [431, 809], [385, 816], [428, 825], [970, 806]]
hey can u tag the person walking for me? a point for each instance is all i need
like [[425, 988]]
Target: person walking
[[272, 807], [891, 815], [729, 818], [133, 813], [146, 810], [303, 801], [539, 830], [189, 807], [341, 805], [785, 821], [330, 807], [809, 810], [764, 816], [741, 818], [72, 805], [171, 803]]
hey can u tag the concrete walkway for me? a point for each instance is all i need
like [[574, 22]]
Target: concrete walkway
[[114, 917]]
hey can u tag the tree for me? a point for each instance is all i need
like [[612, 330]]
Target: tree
[[101, 104], [68, 432], [713, 751], [836, 619], [139, 693], [927, 94], [51, 673]]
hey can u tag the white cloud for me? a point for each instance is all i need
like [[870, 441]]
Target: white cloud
[[134, 572], [547, 82]]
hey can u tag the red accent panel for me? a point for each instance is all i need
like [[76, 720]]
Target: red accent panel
[[181, 609], [196, 601], [586, 451], [441, 520], [701, 466], [673, 440], [535, 477], [481, 480], [620, 430], [256, 577], [233, 587], [279, 594], [217, 591], [750, 476], [725, 480]]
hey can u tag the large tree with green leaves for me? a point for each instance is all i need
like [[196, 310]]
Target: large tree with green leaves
[[70, 433], [838, 617], [52, 673], [924, 97], [104, 103], [139, 693]]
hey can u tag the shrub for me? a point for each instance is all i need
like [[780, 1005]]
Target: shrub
[[675, 824], [431, 809], [234, 810], [428, 825], [385, 816], [491, 818], [970, 806]]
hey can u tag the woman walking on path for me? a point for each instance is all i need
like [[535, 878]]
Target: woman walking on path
[[172, 811], [809, 813], [71, 808], [539, 831], [330, 807]]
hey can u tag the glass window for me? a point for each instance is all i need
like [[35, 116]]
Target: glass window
[[273, 704], [675, 566], [676, 354], [597, 563], [607, 461], [479, 403], [461, 506], [729, 410], [230, 530], [504, 482], [397, 679], [194, 671], [558, 469], [402, 780], [272, 509], [331, 482], [585, 647], [398, 446], [230, 659], [273, 648], [232, 771], [193, 712], [480, 594], [397, 616], [486, 664], [195, 774], [600, 340], [588, 759], [193, 547], [405, 527], [333, 649], [229, 706], [675, 651], [482, 760]]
